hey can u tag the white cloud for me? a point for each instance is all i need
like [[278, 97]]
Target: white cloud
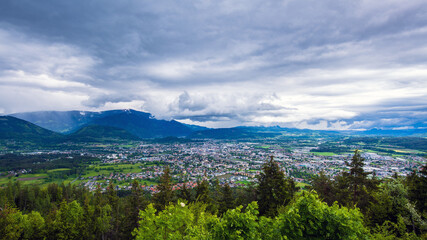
[[36, 75], [325, 65]]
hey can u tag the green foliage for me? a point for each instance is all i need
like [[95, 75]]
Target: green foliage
[[177, 221], [392, 231], [307, 217], [59, 211], [34, 226], [236, 224], [393, 208], [103, 219], [67, 223], [11, 221]]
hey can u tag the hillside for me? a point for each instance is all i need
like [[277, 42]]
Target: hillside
[[96, 133], [15, 129]]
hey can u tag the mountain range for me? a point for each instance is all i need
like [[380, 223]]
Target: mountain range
[[85, 126], [81, 126], [140, 124]]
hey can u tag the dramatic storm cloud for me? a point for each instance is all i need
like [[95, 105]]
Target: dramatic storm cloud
[[307, 64]]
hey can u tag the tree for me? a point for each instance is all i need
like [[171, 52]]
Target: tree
[[202, 192], [135, 203], [34, 226], [67, 223], [10, 223], [165, 194], [307, 217], [226, 200], [358, 184], [324, 187], [417, 189], [114, 207], [357, 176], [273, 189], [176, 221], [392, 205], [185, 194], [236, 224], [103, 220]]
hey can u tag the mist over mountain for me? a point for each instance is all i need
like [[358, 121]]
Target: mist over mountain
[[143, 125], [63, 121]]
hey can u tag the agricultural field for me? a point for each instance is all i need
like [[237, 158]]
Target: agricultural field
[[324, 153]]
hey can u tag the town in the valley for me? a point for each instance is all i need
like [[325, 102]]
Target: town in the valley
[[234, 162]]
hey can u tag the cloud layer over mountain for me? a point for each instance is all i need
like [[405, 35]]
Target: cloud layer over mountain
[[307, 64]]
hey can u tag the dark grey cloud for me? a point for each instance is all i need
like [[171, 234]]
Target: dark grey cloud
[[317, 64]]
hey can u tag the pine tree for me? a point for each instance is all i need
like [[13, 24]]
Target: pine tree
[[202, 192], [273, 189], [165, 194], [226, 200], [324, 188], [185, 193], [113, 202], [417, 189], [358, 183], [134, 203]]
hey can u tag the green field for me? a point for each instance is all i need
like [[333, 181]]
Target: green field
[[108, 169], [328, 154], [58, 170], [25, 179], [56, 176]]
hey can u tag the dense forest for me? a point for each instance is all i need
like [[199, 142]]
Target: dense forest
[[353, 205]]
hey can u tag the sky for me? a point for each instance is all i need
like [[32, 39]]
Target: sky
[[314, 64]]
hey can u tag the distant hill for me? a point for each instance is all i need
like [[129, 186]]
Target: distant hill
[[395, 133], [15, 129], [96, 133], [232, 133], [416, 143]]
